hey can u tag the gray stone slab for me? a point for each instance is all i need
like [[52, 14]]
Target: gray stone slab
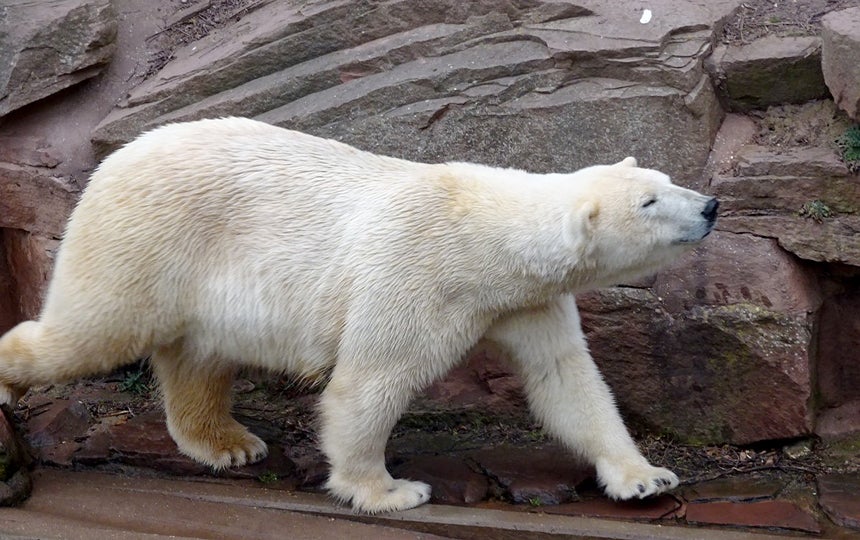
[[51, 45], [769, 71], [839, 58]]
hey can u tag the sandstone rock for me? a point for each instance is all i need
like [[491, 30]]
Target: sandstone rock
[[141, 441], [652, 508], [34, 207], [734, 134], [719, 351], [839, 53], [732, 269], [10, 313], [733, 372], [769, 71], [754, 160], [48, 46], [452, 480], [838, 498], [477, 80], [776, 195], [30, 260], [548, 476], [15, 484], [736, 489], [484, 381], [31, 199], [531, 130], [765, 514], [838, 369], [839, 421], [54, 432]]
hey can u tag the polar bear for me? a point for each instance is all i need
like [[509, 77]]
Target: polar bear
[[219, 243]]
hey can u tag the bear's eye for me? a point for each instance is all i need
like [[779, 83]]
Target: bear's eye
[[649, 202]]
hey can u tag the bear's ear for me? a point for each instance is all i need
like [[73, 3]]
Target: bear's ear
[[577, 227], [629, 161]]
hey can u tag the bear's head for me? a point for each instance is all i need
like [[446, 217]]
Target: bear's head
[[630, 221]]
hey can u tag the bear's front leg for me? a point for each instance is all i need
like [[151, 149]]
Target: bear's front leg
[[359, 407], [568, 395]]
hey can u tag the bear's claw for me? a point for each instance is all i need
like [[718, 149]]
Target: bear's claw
[[634, 478]]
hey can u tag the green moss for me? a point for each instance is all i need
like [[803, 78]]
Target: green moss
[[268, 477], [137, 382], [849, 143], [815, 210]]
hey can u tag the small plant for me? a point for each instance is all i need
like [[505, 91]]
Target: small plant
[[136, 382], [268, 477], [815, 210], [849, 143], [535, 502]]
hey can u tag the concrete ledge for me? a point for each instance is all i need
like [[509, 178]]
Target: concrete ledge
[[152, 507]]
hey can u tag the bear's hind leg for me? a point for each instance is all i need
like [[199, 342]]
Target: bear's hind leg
[[358, 412], [197, 401], [40, 352]]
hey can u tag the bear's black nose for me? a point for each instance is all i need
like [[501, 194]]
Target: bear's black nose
[[710, 211]]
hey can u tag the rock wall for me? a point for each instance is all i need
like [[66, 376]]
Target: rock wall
[[747, 339]]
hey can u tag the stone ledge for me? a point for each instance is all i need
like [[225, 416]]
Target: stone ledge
[[768, 71], [840, 51]]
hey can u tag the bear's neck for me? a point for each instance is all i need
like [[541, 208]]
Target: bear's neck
[[516, 220]]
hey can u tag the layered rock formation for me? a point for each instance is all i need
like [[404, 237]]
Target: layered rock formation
[[749, 338]]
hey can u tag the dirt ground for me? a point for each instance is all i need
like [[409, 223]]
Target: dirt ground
[[278, 409], [759, 18]]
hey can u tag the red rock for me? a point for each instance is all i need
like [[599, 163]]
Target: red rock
[[31, 261], [738, 269], [453, 481], [779, 514], [839, 421], [769, 71], [839, 496], [13, 456], [54, 431], [34, 200], [756, 160], [276, 465], [141, 441], [839, 52], [735, 373], [735, 132], [10, 314], [735, 489], [15, 484], [662, 507], [485, 381], [549, 474], [838, 368]]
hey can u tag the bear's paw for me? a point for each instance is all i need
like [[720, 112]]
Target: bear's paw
[[634, 479], [233, 448], [376, 497], [9, 395]]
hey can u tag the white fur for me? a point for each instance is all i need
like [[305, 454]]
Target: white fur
[[223, 242]]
